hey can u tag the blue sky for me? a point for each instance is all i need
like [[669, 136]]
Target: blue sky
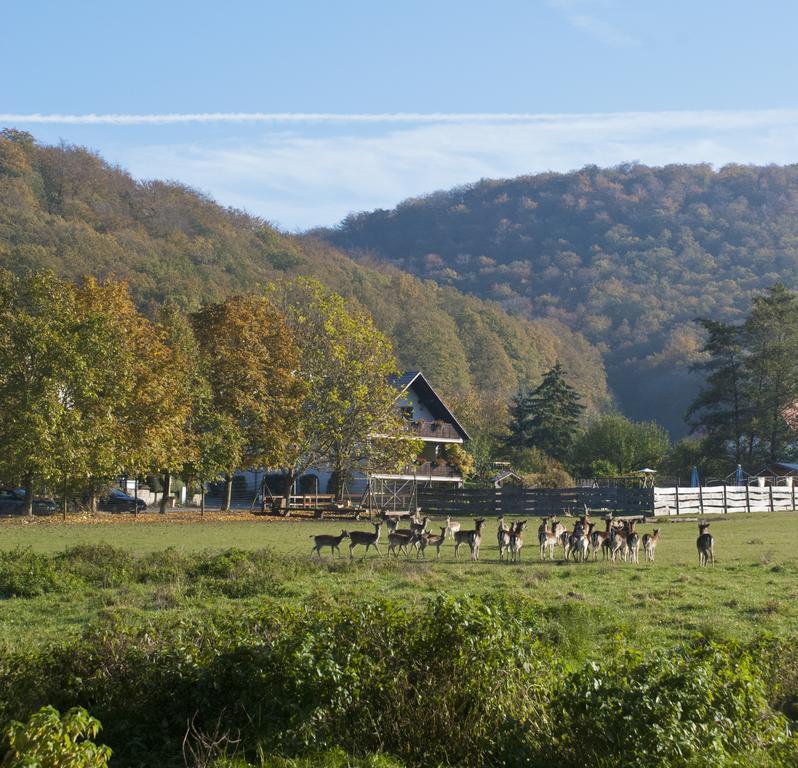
[[488, 89]]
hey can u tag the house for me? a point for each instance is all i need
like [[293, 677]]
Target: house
[[428, 419]]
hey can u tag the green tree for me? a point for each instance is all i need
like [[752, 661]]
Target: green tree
[[252, 364], [548, 416], [771, 339], [614, 444], [49, 740], [721, 411], [347, 418]]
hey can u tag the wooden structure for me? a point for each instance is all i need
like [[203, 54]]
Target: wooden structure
[[722, 499]]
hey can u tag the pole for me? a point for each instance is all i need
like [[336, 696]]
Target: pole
[[700, 499], [770, 493], [677, 500], [725, 504], [747, 499]]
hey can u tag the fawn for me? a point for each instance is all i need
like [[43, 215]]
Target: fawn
[[367, 538], [650, 544], [400, 540], [598, 539], [472, 538], [326, 540], [429, 539], [452, 527], [706, 545]]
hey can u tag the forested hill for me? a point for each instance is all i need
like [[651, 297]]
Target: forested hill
[[64, 209], [629, 256]]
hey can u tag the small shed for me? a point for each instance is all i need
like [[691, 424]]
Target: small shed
[[505, 475]]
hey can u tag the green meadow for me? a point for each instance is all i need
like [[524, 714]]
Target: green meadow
[[753, 586]]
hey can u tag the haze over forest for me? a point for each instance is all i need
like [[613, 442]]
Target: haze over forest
[[628, 256]]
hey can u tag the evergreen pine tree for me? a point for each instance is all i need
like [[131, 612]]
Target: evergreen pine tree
[[547, 418]]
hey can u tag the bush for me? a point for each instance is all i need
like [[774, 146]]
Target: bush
[[48, 740], [23, 573]]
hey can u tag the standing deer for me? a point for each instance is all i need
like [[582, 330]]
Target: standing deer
[[650, 544], [326, 540], [706, 546], [547, 540], [472, 538], [598, 539], [367, 538], [517, 540], [452, 527], [633, 543], [503, 538], [429, 539]]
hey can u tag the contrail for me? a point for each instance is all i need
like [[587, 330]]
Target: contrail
[[386, 117]]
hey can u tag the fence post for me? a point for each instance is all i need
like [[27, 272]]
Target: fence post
[[747, 499], [792, 488], [725, 503], [770, 489], [700, 499], [677, 500]]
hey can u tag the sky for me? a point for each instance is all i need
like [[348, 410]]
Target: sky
[[301, 112]]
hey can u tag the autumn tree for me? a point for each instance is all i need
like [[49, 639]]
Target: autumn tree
[[252, 364], [347, 418]]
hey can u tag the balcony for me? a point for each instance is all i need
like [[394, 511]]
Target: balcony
[[433, 430], [426, 470]]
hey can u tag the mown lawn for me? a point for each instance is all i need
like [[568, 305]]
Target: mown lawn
[[752, 588]]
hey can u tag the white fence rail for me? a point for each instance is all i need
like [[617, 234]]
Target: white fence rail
[[721, 499]]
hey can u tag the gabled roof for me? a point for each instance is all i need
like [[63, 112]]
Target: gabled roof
[[416, 381], [784, 466]]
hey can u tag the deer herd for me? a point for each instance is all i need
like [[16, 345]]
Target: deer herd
[[618, 542]]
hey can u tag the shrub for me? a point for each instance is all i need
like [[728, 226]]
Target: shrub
[[48, 740], [23, 573]]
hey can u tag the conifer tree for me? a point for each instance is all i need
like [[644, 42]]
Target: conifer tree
[[547, 417]]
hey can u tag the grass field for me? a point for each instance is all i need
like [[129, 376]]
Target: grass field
[[753, 586]]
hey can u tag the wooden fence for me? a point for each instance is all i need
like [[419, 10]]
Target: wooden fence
[[721, 499], [540, 502], [532, 502]]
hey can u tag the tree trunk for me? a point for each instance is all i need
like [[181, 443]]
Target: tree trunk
[[167, 491], [29, 495], [288, 486], [202, 498], [64, 499], [93, 502], [228, 493]]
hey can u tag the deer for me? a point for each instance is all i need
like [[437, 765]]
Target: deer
[[400, 540], [419, 526], [547, 540], [503, 538], [618, 545], [650, 544], [517, 540], [367, 538], [706, 545], [326, 540], [429, 539], [578, 542], [633, 543], [598, 539], [472, 538], [452, 527]]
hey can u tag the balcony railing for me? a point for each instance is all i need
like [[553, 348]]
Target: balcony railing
[[428, 469], [433, 429]]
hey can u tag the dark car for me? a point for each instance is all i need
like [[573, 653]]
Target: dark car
[[12, 502], [116, 500]]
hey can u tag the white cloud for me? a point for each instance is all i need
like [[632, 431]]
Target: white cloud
[[304, 179], [582, 14]]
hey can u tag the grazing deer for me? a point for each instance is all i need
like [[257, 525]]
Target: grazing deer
[[547, 540], [650, 544], [367, 538], [452, 527], [706, 545], [400, 540], [517, 540], [633, 543], [472, 538], [429, 539], [503, 538], [326, 540]]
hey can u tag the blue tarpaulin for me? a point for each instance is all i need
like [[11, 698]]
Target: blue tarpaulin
[[694, 481]]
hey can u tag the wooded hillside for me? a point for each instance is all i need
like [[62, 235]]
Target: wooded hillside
[[65, 209], [629, 256]]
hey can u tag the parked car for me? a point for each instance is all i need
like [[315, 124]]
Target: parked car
[[116, 500], [12, 502]]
